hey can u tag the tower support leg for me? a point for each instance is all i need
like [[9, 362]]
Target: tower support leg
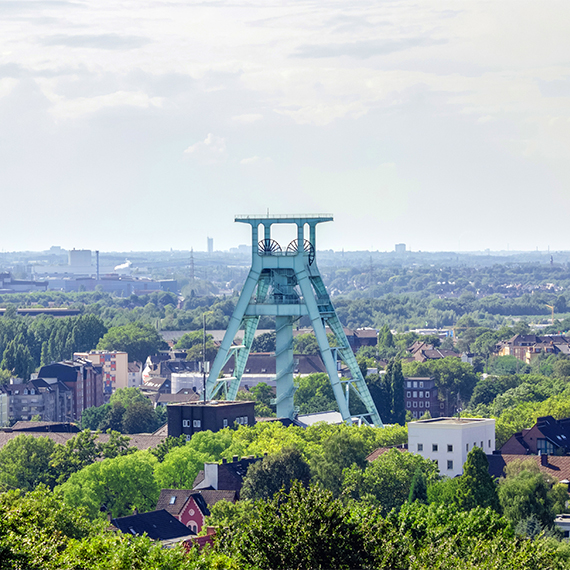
[[284, 366]]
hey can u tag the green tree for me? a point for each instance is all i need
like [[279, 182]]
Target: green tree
[[25, 462], [306, 344], [84, 449], [397, 379], [339, 451], [315, 394], [527, 493], [380, 387], [117, 485], [93, 417], [265, 342], [113, 420], [139, 417], [386, 482], [476, 487], [306, 528], [418, 489], [275, 472], [180, 467], [138, 340]]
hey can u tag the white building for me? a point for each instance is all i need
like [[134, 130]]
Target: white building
[[448, 440]]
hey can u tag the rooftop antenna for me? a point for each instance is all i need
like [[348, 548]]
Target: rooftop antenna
[[285, 283]]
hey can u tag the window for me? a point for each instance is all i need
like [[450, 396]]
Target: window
[[225, 423], [427, 394], [481, 445], [188, 437], [434, 446], [172, 499], [245, 420], [408, 394], [415, 415], [409, 384], [197, 423], [421, 404], [408, 404], [415, 394], [436, 463], [185, 423], [420, 446], [544, 446], [421, 384], [466, 447], [489, 444], [449, 448], [449, 464], [427, 404], [415, 384], [415, 404]]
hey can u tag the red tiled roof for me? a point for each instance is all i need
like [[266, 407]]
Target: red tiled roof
[[558, 466], [381, 450]]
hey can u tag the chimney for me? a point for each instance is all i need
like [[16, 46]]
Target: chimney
[[210, 530], [543, 459], [235, 458], [224, 461]]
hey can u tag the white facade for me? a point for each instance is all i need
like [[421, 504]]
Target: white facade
[[4, 420], [449, 440], [186, 381]]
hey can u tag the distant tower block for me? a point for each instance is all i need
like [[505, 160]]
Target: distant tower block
[[210, 245], [400, 248], [286, 283]]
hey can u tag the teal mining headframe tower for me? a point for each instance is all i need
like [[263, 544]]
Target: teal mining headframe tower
[[286, 284]]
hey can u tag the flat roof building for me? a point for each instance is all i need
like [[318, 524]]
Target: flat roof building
[[215, 415], [448, 440]]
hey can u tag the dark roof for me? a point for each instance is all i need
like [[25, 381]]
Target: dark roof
[[212, 496], [558, 466], [158, 525], [264, 363], [140, 441], [558, 432], [58, 427], [180, 496]]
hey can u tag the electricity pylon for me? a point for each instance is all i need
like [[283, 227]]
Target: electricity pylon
[[287, 285]]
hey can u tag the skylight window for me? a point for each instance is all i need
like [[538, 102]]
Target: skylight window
[[173, 500]]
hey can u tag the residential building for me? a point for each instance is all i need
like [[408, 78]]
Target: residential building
[[422, 351], [49, 399], [261, 367], [420, 396], [527, 347], [214, 415], [157, 525], [447, 441], [224, 476], [4, 416], [115, 367], [557, 466], [189, 507], [134, 374], [548, 436], [563, 523], [82, 377]]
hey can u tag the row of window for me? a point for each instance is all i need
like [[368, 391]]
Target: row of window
[[415, 394], [449, 464], [435, 446], [415, 384], [242, 420], [415, 404], [195, 423]]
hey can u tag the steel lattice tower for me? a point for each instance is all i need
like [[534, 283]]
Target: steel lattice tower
[[287, 284]]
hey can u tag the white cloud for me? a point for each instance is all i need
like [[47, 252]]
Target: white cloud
[[256, 160], [211, 149]]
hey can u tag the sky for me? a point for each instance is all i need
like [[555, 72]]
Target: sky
[[148, 125]]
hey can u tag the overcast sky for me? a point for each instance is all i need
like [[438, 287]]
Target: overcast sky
[[137, 125]]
